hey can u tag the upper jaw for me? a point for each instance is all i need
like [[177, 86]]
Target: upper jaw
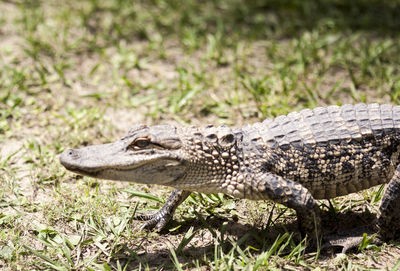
[[81, 160], [113, 161]]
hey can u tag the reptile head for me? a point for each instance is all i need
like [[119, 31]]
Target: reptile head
[[145, 155]]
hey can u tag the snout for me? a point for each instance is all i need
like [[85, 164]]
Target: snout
[[92, 159], [70, 158]]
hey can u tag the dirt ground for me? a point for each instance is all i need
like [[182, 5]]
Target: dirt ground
[[83, 72]]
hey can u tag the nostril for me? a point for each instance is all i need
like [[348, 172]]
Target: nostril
[[73, 154], [69, 158]]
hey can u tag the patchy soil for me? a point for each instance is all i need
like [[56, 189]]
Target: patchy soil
[[82, 72]]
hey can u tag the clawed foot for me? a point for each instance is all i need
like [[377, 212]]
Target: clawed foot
[[345, 243], [156, 221], [349, 241]]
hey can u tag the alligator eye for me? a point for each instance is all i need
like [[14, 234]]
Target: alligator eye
[[141, 142]]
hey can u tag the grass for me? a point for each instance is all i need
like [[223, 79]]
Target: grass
[[82, 72]]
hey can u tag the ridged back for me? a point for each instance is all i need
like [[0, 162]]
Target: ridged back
[[328, 124]]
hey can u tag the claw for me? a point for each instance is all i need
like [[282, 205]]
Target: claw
[[145, 216], [347, 242], [158, 220]]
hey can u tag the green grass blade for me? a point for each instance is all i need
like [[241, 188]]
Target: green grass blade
[[135, 193]]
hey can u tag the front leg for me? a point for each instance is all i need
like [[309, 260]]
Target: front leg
[[293, 195], [159, 219]]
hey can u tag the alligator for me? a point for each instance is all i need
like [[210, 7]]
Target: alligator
[[293, 160]]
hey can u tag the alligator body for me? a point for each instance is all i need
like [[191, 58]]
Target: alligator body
[[293, 160]]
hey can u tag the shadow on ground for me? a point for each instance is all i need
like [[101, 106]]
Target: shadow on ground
[[265, 19], [345, 224], [235, 20]]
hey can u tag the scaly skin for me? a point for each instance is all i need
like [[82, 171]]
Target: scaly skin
[[293, 160]]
